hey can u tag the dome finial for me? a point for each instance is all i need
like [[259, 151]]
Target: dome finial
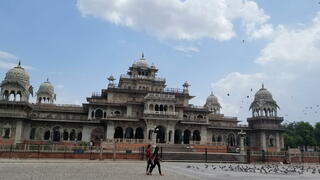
[[142, 56], [262, 86], [19, 63], [47, 79], [211, 93]]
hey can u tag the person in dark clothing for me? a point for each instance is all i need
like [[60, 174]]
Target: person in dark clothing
[[149, 160], [156, 161]]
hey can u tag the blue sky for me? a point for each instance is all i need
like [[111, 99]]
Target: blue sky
[[77, 44]]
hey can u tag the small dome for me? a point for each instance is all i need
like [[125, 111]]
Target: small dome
[[141, 63], [18, 74], [263, 95], [46, 88], [212, 99]]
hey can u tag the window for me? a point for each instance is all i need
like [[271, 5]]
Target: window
[[46, 135], [6, 133], [79, 137], [32, 133], [65, 135], [72, 135], [98, 114]]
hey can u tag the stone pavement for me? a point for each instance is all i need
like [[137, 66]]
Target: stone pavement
[[59, 169], [80, 170]]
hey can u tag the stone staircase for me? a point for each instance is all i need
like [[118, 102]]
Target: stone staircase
[[184, 152]]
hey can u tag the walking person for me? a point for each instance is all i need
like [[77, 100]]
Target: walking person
[[156, 161], [148, 157]]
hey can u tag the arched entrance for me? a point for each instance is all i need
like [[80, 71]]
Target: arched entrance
[[160, 130], [118, 133], [139, 133], [196, 136], [96, 135], [186, 136], [56, 134], [129, 133], [177, 136], [231, 140], [98, 114]]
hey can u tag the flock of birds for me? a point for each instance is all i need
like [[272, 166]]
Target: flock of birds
[[263, 169], [307, 110]]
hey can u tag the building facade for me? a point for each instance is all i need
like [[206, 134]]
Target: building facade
[[129, 112]]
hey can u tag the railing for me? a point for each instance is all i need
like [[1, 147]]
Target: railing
[[107, 101], [14, 114], [173, 90], [67, 105], [161, 113], [96, 94], [120, 116], [195, 107], [216, 143], [125, 76], [130, 141], [161, 96]]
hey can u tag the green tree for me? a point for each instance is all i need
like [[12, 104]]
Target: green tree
[[301, 134], [317, 133]]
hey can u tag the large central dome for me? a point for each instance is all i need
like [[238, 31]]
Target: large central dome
[[142, 63]]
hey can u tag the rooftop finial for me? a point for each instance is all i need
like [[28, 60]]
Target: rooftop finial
[[142, 56], [262, 86], [19, 63], [211, 93], [47, 79]]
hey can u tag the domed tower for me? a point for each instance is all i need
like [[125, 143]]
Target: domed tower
[[212, 104], [142, 76], [16, 85], [46, 93], [263, 104], [266, 131]]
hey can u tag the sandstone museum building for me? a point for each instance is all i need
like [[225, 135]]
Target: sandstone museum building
[[129, 111]]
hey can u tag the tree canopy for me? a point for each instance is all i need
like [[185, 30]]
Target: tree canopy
[[302, 134]]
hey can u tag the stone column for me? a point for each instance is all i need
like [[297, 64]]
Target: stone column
[[86, 133], [149, 127], [278, 142], [182, 137], [242, 135], [282, 141], [129, 110], [110, 130], [263, 145], [203, 135], [17, 135]]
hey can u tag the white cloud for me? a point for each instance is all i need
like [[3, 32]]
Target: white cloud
[[177, 19], [293, 46], [264, 31], [289, 65], [186, 49], [7, 60], [60, 86], [238, 86]]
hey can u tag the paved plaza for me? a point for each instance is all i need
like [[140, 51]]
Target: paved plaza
[[108, 170]]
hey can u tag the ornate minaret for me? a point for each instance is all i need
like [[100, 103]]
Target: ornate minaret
[[265, 126], [16, 85]]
